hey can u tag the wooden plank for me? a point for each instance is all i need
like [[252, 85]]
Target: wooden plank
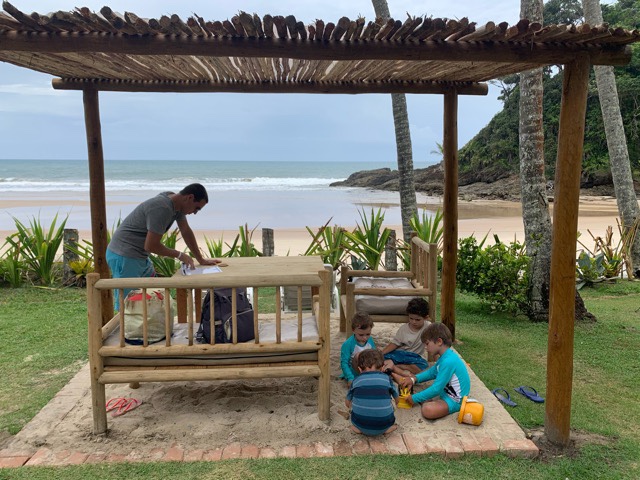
[[565, 226], [194, 375], [96, 366]]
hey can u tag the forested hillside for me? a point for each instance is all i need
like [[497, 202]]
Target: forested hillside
[[493, 152]]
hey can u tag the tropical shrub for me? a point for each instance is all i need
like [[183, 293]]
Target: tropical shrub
[[497, 274], [242, 245], [12, 267], [329, 243], [429, 229], [39, 248], [368, 240]]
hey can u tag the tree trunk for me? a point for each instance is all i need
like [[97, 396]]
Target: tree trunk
[[406, 184], [535, 205], [616, 140]]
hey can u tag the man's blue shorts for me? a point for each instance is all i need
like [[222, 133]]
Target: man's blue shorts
[[402, 357], [127, 267]]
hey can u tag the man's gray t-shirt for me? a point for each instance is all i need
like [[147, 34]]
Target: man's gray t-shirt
[[154, 215]]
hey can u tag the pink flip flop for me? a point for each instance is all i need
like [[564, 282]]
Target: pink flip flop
[[115, 403], [127, 406]]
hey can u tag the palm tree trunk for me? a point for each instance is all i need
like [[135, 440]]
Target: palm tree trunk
[[406, 183], [535, 206], [628, 208]]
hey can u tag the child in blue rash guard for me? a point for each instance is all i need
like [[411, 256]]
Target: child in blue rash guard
[[369, 397], [450, 376], [361, 325]]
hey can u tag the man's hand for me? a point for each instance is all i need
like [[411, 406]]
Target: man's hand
[[187, 260], [210, 261]]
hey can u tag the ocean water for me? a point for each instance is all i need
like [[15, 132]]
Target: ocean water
[[285, 194]]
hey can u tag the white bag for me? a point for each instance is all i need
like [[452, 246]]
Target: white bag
[[133, 316]]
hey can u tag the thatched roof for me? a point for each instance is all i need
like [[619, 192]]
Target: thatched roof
[[280, 54]]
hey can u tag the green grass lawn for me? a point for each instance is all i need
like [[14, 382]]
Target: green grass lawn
[[44, 344]]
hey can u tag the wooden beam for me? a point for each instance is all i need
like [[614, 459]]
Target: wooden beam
[[563, 251], [450, 212], [97, 194], [428, 87], [512, 52]]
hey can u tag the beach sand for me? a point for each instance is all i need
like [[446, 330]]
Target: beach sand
[[477, 217]]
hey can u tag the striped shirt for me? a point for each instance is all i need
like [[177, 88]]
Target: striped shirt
[[371, 409]]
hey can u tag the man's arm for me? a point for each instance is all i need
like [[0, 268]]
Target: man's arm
[[190, 239]]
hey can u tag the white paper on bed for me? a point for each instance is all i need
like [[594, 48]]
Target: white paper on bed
[[384, 305]]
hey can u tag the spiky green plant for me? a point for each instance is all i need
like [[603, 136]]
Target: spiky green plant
[[39, 247], [242, 245], [216, 248], [427, 228], [12, 267], [368, 240], [328, 242], [166, 266]]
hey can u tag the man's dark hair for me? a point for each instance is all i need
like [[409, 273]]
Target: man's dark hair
[[198, 191]]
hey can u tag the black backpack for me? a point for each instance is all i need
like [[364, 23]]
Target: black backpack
[[222, 312]]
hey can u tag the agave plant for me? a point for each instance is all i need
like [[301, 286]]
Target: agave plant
[[242, 245], [368, 240], [427, 228], [39, 247], [166, 266], [329, 243], [12, 267]]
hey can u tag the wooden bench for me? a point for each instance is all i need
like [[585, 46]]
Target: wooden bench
[[290, 352], [386, 294]]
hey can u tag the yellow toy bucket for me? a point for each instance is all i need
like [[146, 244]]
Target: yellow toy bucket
[[402, 399], [471, 411]]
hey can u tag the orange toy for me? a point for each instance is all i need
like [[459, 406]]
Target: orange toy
[[471, 411]]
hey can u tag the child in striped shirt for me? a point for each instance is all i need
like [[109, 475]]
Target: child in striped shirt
[[369, 397]]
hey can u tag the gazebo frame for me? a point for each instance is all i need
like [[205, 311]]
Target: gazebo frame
[[112, 52]]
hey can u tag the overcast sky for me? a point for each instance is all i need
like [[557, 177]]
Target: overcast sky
[[38, 122]]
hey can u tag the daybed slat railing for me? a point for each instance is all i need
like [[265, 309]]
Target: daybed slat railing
[[190, 316], [145, 319], [278, 316], [168, 320], [152, 350], [212, 336], [205, 374], [121, 316], [256, 308], [300, 314], [234, 316]]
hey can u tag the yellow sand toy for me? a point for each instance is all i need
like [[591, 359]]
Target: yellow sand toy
[[471, 411], [402, 399]]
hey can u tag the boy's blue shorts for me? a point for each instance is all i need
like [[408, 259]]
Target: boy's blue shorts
[[402, 357]]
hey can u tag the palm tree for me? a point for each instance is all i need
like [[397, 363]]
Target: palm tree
[[616, 140], [535, 205], [406, 184]]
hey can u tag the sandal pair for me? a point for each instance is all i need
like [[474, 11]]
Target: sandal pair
[[529, 392], [121, 405]]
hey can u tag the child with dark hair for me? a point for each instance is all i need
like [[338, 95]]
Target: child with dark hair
[[361, 325], [369, 397], [449, 374], [403, 356]]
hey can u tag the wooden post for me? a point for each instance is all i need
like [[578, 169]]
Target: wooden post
[[450, 212], [97, 194], [563, 252], [98, 396], [268, 245], [324, 382], [390, 253], [70, 240]]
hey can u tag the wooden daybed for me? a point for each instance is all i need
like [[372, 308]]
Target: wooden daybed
[[384, 294], [295, 348]]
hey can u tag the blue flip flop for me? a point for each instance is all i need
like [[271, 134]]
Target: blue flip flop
[[502, 395], [531, 393]]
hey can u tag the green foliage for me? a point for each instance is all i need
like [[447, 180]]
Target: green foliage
[[589, 269], [166, 266], [242, 245], [329, 243], [427, 228], [38, 247], [497, 274], [368, 240], [12, 267], [493, 152]]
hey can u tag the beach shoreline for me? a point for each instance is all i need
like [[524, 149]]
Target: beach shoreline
[[475, 217]]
